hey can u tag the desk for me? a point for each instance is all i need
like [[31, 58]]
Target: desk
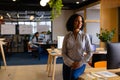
[[46, 46], [53, 54], [2, 51], [100, 69]]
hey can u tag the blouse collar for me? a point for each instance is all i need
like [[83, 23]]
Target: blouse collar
[[80, 32]]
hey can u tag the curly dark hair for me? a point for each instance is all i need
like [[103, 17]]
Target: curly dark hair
[[35, 34], [70, 22]]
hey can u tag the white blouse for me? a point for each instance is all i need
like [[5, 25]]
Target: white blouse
[[73, 49]]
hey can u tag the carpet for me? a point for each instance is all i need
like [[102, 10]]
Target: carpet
[[27, 59]]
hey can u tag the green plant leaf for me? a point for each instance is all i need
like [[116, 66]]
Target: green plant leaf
[[56, 6], [106, 35]]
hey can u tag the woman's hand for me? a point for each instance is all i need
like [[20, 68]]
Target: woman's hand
[[76, 65], [90, 63]]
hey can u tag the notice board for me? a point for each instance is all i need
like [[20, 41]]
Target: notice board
[[25, 29], [7, 29], [42, 28]]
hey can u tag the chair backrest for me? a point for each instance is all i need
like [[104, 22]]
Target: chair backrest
[[113, 55], [100, 64]]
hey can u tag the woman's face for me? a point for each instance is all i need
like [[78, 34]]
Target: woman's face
[[37, 35], [78, 23]]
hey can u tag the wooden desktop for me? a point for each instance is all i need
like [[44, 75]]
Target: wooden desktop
[[53, 54], [99, 55], [48, 45], [2, 51], [92, 70]]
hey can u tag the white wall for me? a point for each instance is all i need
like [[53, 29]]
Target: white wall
[[93, 14], [93, 27], [59, 24]]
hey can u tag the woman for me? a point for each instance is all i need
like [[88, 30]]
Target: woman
[[34, 44], [35, 38], [75, 44]]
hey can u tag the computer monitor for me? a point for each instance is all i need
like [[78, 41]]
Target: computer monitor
[[113, 55]]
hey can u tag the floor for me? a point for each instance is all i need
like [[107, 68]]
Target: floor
[[29, 72]]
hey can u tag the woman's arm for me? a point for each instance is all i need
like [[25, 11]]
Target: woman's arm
[[66, 59], [88, 48]]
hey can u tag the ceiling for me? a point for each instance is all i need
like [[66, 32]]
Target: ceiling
[[21, 10]]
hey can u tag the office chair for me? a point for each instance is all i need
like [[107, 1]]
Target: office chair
[[113, 55], [33, 51]]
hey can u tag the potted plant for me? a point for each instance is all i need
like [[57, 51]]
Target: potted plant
[[105, 36], [48, 32], [56, 6]]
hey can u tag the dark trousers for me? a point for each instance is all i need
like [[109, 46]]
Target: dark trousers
[[67, 73], [70, 74], [39, 49]]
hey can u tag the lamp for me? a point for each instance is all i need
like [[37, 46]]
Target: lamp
[[18, 15], [31, 17], [1, 17], [44, 2], [13, 0], [8, 15]]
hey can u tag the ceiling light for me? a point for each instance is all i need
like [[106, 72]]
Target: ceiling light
[[77, 2], [42, 16], [31, 17], [18, 15], [43, 3], [8, 15], [1, 17], [46, 1], [14, 0]]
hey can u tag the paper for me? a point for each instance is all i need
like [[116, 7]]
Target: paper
[[106, 74]]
